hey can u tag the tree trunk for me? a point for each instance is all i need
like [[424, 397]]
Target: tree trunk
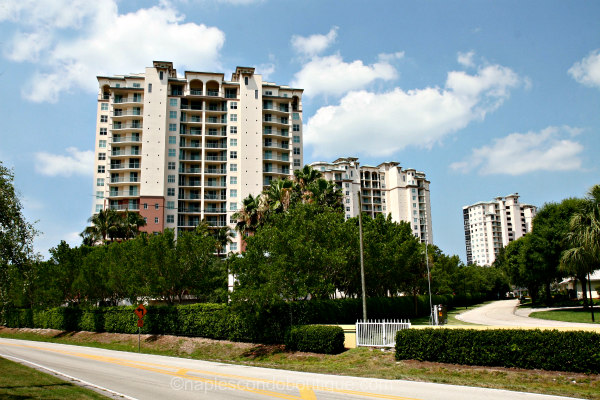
[[583, 281], [548, 293]]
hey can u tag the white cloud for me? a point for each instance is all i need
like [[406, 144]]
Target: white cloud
[[314, 44], [466, 59], [76, 162], [330, 75], [587, 71], [380, 124], [521, 153], [105, 42]]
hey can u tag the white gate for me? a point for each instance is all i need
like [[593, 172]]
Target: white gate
[[379, 333]]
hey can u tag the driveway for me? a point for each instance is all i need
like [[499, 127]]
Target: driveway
[[505, 313]]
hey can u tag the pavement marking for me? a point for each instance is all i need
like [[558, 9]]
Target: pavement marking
[[20, 360], [306, 391]]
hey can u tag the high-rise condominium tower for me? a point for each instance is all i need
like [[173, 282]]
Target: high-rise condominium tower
[[384, 189], [491, 225], [180, 149]]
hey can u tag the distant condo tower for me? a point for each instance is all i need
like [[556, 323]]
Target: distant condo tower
[[384, 189], [491, 225], [182, 149]]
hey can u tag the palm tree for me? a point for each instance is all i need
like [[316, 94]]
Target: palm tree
[[223, 237], [251, 215], [131, 222], [105, 225], [278, 196], [305, 176], [202, 229], [323, 192], [583, 257]]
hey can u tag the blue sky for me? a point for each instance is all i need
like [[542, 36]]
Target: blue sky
[[487, 98]]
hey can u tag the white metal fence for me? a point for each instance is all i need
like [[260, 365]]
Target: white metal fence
[[379, 333]]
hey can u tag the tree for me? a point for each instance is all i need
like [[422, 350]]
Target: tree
[[524, 264], [105, 225], [130, 224], [251, 215], [16, 244], [223, 236], [583, 238]]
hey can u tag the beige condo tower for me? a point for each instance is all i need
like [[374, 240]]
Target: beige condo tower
[[182, 149]]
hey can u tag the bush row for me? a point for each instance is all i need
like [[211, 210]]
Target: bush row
[[220, 321], [316, 339], [573, 351]]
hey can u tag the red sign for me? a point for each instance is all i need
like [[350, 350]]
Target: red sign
[[140, 311], [140, 322]]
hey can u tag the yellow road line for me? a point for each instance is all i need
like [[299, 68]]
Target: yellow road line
[[306, 391]]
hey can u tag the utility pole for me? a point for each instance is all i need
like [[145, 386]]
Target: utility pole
[[362, 259], [428, 274]]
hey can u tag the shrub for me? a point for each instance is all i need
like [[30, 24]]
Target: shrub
[[316, 339], [573, 351]]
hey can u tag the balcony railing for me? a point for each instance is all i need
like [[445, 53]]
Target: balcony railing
[[215, 197], [212, 92], [115, 153], [124, 207], [214, 184], [190, 158], [277, 170], [216, 158], [123, 193], [210, 145], [190, 170], [124, 139], [275, 158], [134, 99], [221, 210], [215, 120], [192, 107], [121, 113], [127, 126], [125, 166], [125, 180], [189, 197], [215, 171]]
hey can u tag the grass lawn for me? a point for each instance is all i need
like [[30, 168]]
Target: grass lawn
[[571, 315], [20, 382], [363, 362]]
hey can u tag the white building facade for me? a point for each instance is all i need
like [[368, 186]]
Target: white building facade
[[182, 149], [384, 189], [490, 226]]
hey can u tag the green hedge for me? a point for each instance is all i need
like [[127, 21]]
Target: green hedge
[[316, 339], [573, 351], [220, 321]]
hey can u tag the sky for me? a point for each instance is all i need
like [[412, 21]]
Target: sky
[[488, 98]]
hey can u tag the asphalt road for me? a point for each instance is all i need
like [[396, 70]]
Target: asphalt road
[[143, 376], [502, 313]]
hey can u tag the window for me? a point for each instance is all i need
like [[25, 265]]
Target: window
[[415, 205], [98, 208], [295, 116], [233, 142], [101, 156], [233, 117], [102, 144], [233, 180], [233, 105], [161, 75], [296, 162], [170, 219], [233, 130], [233, 193], [172, 127], [246, 80], [268, 93], [104, 106], [173, 114], [256, 94], [101, 169], [347, 201], [100, 182], [296, 127], [149, 88], [156, 206], [171, 165], [156, 220], [136, 85], [233, 246], [104, 118], [296, 139], [172, 153], [145, 220], [347, 208], [171, 178], [233, 155], [347, 193], [100, 194], [173, 102], [296, 150], [172, 140], [233, 167], [170, 205], [102, 131], [414, 190], [170, 191], [233, 206], [145, 206]]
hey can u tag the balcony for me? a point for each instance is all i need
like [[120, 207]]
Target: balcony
[[215, 184], [193, 184], [276, 108], [192, 119], [124, 207], [276, 132], [133, 166], [214, 132], [190, 170], [214, 210], [283, 157], [190, 210], [217, 171], [190, 157], [212, 93], [124, 153], [215, 120], [119, 114], [196, 92], [190, 145], [123, 193], [121, 180], [213, 145], [277, 121], [126, 127], [215, 158], [276, 171], [129, 99], [217, 197], [125, 139], [218, 109], [189, 196]]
